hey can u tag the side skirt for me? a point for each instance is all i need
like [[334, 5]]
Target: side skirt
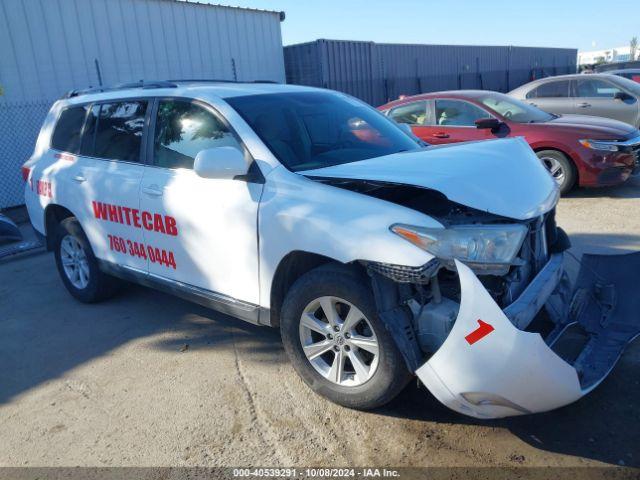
[[216, 301]]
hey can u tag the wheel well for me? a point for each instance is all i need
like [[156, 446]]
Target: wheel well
[[573, 163], [53, 215], [290, 268]]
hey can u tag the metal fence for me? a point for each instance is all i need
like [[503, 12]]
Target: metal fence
[[20, 123], [377, 73]]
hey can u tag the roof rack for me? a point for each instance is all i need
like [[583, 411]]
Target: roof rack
[[217, 80], [154, 84], [122, 86]]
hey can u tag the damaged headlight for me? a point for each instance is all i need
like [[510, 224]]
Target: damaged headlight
[[489, 249]]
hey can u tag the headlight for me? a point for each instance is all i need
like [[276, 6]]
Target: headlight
[[490, 249], [605, 145]]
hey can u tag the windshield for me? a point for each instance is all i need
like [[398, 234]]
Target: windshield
[[309, 130], [515, 110]]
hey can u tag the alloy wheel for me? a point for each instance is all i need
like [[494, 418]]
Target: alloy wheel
[[339, 341], [555, 168], [74, 262]]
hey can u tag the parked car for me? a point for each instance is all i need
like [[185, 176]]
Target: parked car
[[576, 149], [309, 211], [598, 94], [630, 73]]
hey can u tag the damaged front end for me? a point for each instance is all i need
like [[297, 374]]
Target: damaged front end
[[491, 324], [492, 344]]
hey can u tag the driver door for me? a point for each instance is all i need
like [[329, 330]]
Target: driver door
[[201, 232], [596, 97]]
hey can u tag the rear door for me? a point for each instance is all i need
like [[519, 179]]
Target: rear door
[[553, 96], [595, 96], [102, 180], [201, 232], [453, 120]]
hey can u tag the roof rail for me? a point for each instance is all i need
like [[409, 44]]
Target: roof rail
[[122, 86], [217, 80]]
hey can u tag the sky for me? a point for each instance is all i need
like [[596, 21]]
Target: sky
[[582, 24]]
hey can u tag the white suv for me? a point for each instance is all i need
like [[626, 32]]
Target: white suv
[[307, 210]]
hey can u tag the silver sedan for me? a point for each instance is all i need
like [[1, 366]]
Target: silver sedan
[[600, 95]]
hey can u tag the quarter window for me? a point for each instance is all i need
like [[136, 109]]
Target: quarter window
[[458, 113], [67, 134], [114, 131], [596, 88], [183, 129], [412, 114], [551, 90]]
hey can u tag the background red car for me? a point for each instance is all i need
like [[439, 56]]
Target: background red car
[[577, 149]]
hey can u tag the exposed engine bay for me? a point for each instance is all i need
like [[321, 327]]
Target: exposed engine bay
[[433, 294]]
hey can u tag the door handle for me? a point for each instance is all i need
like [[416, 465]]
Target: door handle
[[440, 135], [533, 104], [152, 191], [584, 105], [79, 179]]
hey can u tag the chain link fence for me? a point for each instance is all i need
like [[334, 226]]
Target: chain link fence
[[20, 123]]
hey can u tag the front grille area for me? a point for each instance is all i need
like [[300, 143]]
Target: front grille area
[[404, 274], [632, 146]]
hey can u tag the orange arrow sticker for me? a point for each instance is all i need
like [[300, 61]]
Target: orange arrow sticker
[[479, 333]]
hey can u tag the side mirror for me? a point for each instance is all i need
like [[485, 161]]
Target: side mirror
[[220, 162], [492, 123], [622, 96]]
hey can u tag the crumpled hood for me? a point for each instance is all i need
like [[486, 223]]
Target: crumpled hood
[[503, 177]]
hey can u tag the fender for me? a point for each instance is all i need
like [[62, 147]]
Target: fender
[[553, 145], [297, 213]]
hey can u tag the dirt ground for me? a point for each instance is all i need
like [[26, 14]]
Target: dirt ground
[[151, 380]]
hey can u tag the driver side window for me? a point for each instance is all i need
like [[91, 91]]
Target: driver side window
[[458, 113], [183, 129], [591, 88]]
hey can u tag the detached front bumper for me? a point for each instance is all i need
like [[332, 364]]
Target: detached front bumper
[[489, 367]]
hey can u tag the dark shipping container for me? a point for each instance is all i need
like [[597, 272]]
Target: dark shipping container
[[379, 72]]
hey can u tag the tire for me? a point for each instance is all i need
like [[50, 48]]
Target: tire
[[90, 285], [566, 173], [386, 374]]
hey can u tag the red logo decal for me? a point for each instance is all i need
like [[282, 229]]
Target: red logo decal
[[479, 333]]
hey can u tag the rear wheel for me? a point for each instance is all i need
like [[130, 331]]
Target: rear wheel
[[560, 167], [337, 343], [77, 265]]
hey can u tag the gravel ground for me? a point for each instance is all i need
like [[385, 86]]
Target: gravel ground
[[151, 380]]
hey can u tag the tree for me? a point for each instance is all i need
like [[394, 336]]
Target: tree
[[633, 48]]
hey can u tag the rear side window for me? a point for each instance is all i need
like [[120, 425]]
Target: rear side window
[[114, 131], [551, 90], [67, 134], [183, 129], [412, 114]]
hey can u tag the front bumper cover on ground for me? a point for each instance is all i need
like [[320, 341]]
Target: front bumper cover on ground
[[489, 368]]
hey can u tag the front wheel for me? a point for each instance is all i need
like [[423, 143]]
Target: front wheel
[[560, 167], [337, 343]]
